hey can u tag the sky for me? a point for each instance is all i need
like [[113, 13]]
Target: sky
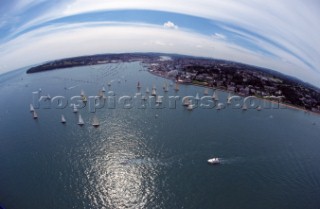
[[283, 35]]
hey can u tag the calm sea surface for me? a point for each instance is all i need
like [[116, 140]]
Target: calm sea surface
[[152, 157]]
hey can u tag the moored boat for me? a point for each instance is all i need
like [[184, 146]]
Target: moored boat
[[80, 121], [95, 122], [31, 108], [35, 115], [63, 119]]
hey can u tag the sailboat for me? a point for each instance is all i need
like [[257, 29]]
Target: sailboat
[[190, 105], [219, 106], [138, 85], [153, 92], [197, 97], [229, 99], [215, 96], [259, 108], [35, 115], [103, 89], [109, 84], [63, 119], [31, 108], [82, 93], [165, 87], [95, 121], [206, 91], [244, 106], [147, 90], [186, 102], [176, 88], [80, 121]]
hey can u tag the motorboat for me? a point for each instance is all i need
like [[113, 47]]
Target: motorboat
[[214, 161]]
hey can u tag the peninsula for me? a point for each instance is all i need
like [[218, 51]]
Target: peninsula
[[241, 79]]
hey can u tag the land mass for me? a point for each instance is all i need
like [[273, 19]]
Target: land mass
[[242, 79]]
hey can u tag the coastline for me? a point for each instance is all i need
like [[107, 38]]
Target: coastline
[[290, 106]]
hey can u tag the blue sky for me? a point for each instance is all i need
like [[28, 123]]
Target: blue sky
[[282, 35]]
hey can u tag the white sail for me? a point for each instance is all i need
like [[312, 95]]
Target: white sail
[[63, 119], [206, 91], [82, 93], [147, 90], [138, 85], [190, 105], [31, 108], [259, 108], [215, 96], [186, 102], [80, 120], [197, 97], [95, 121], [103, 89], [153, 93], [244, 106], [35, 115]]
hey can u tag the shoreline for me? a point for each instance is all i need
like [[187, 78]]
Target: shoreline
[[290, 106]]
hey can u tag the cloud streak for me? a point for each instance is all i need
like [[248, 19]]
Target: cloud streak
[[282, 35]]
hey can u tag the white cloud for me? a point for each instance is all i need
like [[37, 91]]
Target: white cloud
[[219, 36], [170, 25], [288, 28], [59, 41]]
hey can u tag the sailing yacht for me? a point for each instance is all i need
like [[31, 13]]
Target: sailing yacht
[[138, 85], [165, 87], [259, 108], [244, 106], [103, 89], [215, 96], [95, 121], [186, 102], [35, 115], [176, 88], [82, 93], [197, 97], [147, 90], [63, 119], [206, 91], [153, 92], [80, 121], [31, 108], [190, 106]]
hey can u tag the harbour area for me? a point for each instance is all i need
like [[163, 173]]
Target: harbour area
[[236, 78]]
